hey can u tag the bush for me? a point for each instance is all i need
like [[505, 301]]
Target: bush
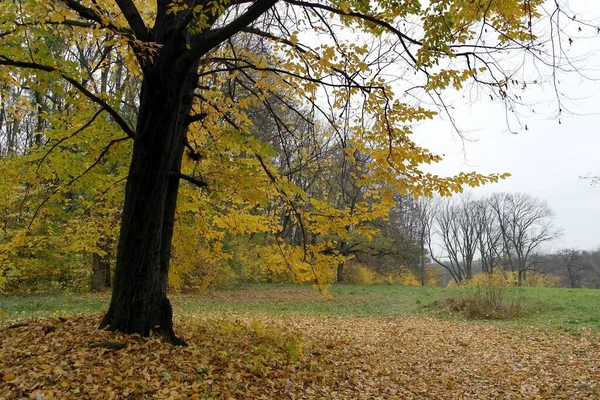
[[47, 272], [433, 276], [358, 273], [407, 278], [497, 279], [486, 302], [509, 278]]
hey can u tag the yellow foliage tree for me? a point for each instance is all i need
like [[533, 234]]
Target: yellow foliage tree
[[206, 70]]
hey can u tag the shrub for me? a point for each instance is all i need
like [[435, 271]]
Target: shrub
[[486, 302], [509, 278], [407, 278], [433, 276], [358, 273], [542, 280], [46, 272]]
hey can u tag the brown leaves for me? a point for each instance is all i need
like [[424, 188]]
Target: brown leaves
[[107, 345], [248, 356]]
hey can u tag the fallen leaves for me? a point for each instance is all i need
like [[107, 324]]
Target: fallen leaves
[[243, 356], [108, 345]]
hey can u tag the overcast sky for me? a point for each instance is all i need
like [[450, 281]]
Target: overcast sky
[[547, 159]]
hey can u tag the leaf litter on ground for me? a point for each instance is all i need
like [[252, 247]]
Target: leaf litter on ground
[[267, 356]]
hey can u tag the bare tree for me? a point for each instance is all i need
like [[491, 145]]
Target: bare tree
[[489, 235], [424, 213], [525, 224], [573, 265], [592, 271], [458, 229]]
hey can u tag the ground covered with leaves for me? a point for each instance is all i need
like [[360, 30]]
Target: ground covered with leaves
[[244, 356]]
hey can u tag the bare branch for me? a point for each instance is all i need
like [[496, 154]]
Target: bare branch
[[191, 179], [369, 18]]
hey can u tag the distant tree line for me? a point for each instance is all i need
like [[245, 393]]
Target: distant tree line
[[499, 234]]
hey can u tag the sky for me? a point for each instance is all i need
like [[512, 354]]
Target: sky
[[548, 158]]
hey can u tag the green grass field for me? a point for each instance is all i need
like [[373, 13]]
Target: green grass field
[[553, 308]]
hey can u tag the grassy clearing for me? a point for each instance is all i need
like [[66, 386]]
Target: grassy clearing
[[554, 308]]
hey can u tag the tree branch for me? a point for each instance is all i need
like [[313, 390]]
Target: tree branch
[[299, 48], [91, 14], [195, 118], [81, 129], [191, 179], [97, 161], [211, 39], [133, 17], [40, 67], [369, 18]]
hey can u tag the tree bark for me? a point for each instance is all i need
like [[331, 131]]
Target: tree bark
[[100, 273], [101, 267], [139, 302], [340, 273]]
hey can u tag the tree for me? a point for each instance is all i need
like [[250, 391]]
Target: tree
[[573, 265], [457, 228], [505, 230], [424, 210], [183, 53], [489, 235], [525, 224], [81, 218], [592, 269]]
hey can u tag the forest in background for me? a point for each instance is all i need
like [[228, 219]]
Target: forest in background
[[275, 188]]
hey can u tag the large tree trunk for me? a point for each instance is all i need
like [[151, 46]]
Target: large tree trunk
[[139, 301]]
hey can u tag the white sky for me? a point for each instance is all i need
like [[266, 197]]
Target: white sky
[[547, 159]]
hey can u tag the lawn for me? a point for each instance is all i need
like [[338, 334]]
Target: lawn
[[554, 308], [287, 342]]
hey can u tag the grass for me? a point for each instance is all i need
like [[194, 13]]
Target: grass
[[554, 308]]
